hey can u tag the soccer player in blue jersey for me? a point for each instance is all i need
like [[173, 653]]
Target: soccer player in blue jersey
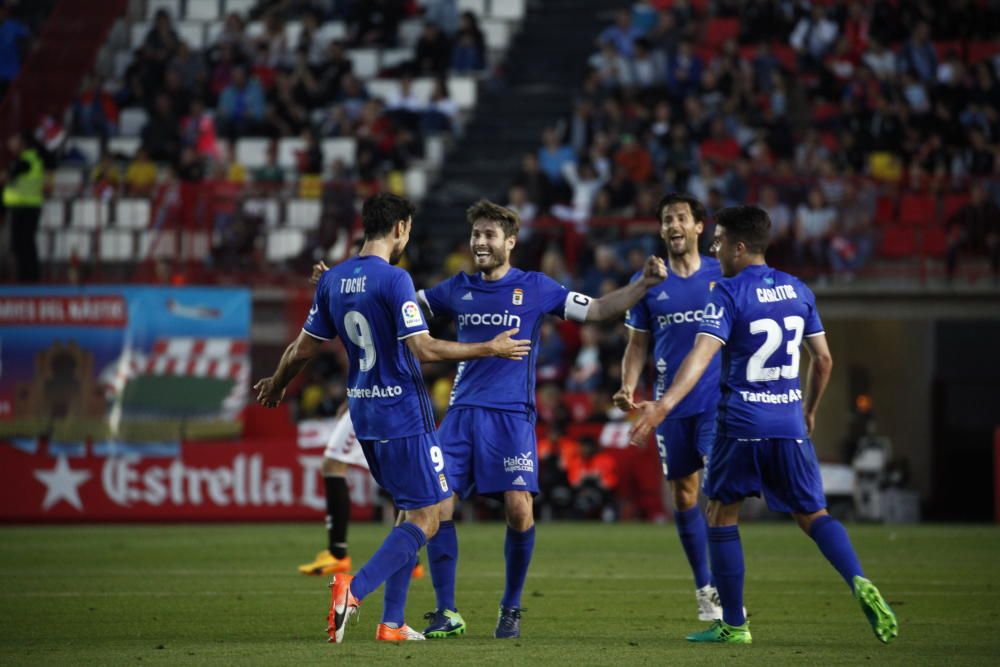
[[488, 433], [671, 313], [372, 306], [759, 318]]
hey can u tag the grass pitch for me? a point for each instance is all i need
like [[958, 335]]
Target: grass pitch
[[596, 594]]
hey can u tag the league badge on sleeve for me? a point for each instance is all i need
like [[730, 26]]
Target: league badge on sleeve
[[518, 296], [411, 315]]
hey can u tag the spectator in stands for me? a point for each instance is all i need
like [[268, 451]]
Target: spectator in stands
[[813, 37], [433, 51], [179, 96], [469, 52], [304, 84], [233, 36], [353, 96], [605, 267], [95, 113], [881, 60], [553, 155], [634, 159], [189, 67], [611, 67], [286, 114], [332, 70], [192, 166], [593, 476], [918, 56], [162, 40], [23, 196], [586, 372], [550, 362], [198, 130], [14, 36], [853, 239], [534, 181], [622, 34], [813, 227], [140, 175], [161, 134], [779, 247], [222, 71], [310, 158], [241, 106], [312, 42], [274, 38], [684, 68], [975, 228], [375, 22], [270, 174], [584, 182], [441, 111], [105, 176]]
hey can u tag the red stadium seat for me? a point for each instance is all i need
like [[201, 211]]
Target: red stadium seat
[[951, 203], [935, 241], [917, 208], [717, 31], [885, 210], [981, 51], [898, 241], [785, 55], [944, 48]]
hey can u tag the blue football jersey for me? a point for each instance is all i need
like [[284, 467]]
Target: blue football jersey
[[372, 306], [484, 308], [761, 315], [671, 313]]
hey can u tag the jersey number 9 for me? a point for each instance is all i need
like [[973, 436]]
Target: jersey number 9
[[360, 333]]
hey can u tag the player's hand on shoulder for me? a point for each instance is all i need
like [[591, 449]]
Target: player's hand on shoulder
[[268, 393], [623, 399], [654, 271], [504, 345], [319, 268], [651, 413]]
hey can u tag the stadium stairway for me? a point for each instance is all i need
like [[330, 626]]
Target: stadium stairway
[[535, 88], [51, 74]]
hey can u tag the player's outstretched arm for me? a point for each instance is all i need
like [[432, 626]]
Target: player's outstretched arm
[[817, 376], [632, 363], [614, 304], [427, 348], [651, 413], [271, 390]]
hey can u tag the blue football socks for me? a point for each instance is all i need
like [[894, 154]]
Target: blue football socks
[[396, 588], [726, 552], [831, 538], [442, 558], [693, 531], [399, 549], [517, 551]]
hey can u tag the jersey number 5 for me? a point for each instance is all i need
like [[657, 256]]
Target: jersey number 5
[[360, 333], [756, 370]]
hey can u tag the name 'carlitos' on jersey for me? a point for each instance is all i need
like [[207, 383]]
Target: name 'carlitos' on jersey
[[482, 309], [761, 315], [671, 313]]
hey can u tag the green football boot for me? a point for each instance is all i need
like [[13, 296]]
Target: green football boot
[[444, 623], [877, 610], [721, 632]]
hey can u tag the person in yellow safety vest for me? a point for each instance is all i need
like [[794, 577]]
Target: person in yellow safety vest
[[22, 198]]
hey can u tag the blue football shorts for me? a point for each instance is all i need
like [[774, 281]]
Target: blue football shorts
[[685, 443], [785, 470], [489, 451], [411, 469]]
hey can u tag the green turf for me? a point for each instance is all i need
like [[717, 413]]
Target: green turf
[[596, 594]]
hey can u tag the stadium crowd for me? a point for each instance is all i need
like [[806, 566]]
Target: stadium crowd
[[855, 124]]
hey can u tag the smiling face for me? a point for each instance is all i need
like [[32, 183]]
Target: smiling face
[[679, 230], [490, 246]]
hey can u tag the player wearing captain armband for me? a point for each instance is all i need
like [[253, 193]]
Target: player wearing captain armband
[[488, 433], [372, 306], [761, 317]]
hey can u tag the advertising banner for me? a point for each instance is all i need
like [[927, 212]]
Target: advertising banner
[[249, 479], [109, 365]]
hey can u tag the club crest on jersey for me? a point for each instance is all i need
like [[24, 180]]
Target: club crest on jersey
[[411, 314], [711, 285], [518, 297]]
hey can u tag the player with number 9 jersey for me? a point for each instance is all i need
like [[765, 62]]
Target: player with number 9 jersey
[[372, 306]]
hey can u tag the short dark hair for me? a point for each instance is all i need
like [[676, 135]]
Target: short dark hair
[[484, 209], [698, 211], [381, 212], [749, 224]]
